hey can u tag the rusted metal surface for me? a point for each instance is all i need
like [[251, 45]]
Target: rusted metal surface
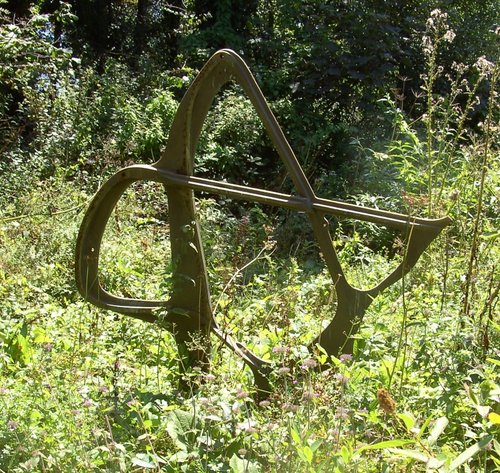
[[189, 310]]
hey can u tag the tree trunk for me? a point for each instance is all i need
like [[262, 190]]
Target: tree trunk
[[141, 25], [94, 21], [19, 8]]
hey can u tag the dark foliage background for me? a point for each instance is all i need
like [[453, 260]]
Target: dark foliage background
[[324, 66]]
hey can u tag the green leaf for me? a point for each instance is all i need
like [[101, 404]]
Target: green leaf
[[239, 465], [424, 427], [495, 326], [471, 394], [410, 454], [35, 415], [316, 444], [345, 454], [180, 427], [432, 463], [494, 361], [408, 421], [308, 454], [40, 336], [143, 460], [470, 452], [483, 410], [490, 235], [236, 464], [19, 347], [437, 430], [385, 444], [295, 437]]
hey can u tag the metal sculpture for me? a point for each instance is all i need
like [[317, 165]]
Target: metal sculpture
[[189, 310]]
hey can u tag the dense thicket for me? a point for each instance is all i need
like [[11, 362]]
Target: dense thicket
[[323, 65]]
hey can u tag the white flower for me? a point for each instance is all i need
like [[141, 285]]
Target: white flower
[[449, 36], [484, 66]]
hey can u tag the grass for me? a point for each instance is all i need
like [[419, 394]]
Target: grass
[[87, 390]]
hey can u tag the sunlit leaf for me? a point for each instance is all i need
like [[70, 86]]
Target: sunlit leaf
[[494, 418], [408, 420], [143, 460], [437, 430], [466, 455], [386, 444]]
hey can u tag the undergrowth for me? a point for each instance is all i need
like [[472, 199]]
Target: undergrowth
[[87, 390]]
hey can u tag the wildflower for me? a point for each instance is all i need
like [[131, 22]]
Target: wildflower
[[4, 391], [385, 401], [280, 349], [345, 357], [284, 370], [242, 452], [341, 413], [333, 433], [369, 434], [484, 66], [204, 401], [437, 17], [308, 395], [288, 407], [342, 379], [247, 426], [459, 67], [264, 403], [449, 36], [241, 394], [103, 389], [88, 403], [269, 244], [245, 220], [12, 424], [309, 363], [271, 426], [209, 377]]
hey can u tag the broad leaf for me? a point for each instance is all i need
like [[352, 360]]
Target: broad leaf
[[470, 452], [385, 444]]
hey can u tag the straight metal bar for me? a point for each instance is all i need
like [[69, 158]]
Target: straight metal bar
[[301, 204]]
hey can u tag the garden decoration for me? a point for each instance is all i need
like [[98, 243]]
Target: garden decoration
[[188, 312]]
